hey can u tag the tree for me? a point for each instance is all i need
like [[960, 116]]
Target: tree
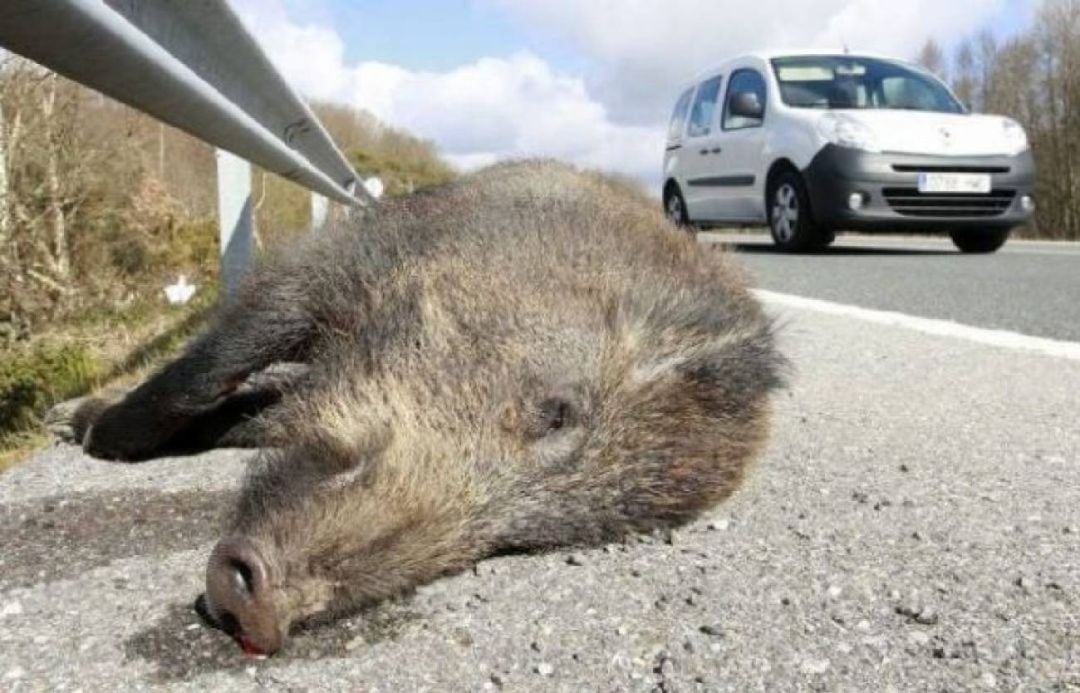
[[933, 58], [1033, 77], [5, 217], [1055, 113], [964, 74], [986, 53]]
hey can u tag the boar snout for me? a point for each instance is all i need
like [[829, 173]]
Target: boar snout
[[238, 597]]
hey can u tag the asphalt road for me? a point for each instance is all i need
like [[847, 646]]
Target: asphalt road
[[1028, 287], [914, 525]]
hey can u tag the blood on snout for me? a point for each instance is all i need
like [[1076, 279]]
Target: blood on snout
[[248, 648]]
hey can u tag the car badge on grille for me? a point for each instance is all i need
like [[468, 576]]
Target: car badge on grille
[[946, 137]]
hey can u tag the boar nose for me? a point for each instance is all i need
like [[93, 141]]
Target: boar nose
[[239, 597]]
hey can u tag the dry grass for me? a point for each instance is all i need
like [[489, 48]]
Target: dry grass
[[106, 349]]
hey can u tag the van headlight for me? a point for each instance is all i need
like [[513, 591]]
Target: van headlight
[[845, 131], [1015, 137]]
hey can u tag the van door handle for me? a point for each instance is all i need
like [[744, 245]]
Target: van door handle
[[717, 150], [704, 152]]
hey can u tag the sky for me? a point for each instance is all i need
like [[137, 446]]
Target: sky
[[588, 81]]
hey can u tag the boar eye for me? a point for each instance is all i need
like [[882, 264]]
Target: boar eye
[[557, 410], [555, 413]]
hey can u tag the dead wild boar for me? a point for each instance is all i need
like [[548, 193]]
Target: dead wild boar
[[531, 357]]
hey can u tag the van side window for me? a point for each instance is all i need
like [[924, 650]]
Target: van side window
[[704, 109], [902, 92], [678, 118], [744, 81]]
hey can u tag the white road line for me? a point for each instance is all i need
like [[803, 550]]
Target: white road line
[[1013, 247], [942, 328]]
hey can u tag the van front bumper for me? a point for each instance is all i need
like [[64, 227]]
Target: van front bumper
[[888, 184]]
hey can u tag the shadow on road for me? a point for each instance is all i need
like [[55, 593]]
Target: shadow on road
[[181, 648], [63, 537], [839, 251]]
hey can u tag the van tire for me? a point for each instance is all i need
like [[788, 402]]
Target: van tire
[[980, 241], [675, 208], [790, 220]]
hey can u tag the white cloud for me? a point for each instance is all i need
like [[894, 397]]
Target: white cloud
[[477, 113], [498, 107], [311, 57], [644, 49]]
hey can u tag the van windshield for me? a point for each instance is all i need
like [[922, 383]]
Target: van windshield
[[848, 82]]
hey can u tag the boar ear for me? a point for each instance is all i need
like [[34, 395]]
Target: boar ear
[[726, 370], [711, 344], [748, 365]]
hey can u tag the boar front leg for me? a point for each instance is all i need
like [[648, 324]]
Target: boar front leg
[[248, 337], [247, 418]]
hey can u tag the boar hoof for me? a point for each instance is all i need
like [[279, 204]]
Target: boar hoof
[[112, 435], [68, 421]]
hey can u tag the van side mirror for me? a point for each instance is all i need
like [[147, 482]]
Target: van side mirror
[[746, 104]]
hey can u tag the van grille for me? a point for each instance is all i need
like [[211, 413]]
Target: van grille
[[919, 168], [911, 203]]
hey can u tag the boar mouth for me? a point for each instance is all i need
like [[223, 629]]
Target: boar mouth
[[238, 599], [228, 625], [249, 649]]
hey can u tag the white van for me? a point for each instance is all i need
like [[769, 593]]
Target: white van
[[814, 143]]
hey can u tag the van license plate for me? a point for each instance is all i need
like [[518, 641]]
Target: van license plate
[[970, 183]]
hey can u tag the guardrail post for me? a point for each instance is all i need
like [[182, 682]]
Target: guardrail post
[[320, 208], [235, 218]]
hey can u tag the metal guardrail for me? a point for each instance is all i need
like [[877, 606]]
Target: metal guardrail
[[192, 64]]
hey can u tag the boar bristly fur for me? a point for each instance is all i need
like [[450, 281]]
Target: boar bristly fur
[[531, 357]]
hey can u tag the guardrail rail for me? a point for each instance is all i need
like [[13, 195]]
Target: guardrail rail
[[192, 64]]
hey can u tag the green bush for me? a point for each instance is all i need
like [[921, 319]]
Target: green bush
[[403, 174], [32, 381]]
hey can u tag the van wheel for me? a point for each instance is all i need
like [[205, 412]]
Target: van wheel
[[675, 208], [979, 241], [793, 228]]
